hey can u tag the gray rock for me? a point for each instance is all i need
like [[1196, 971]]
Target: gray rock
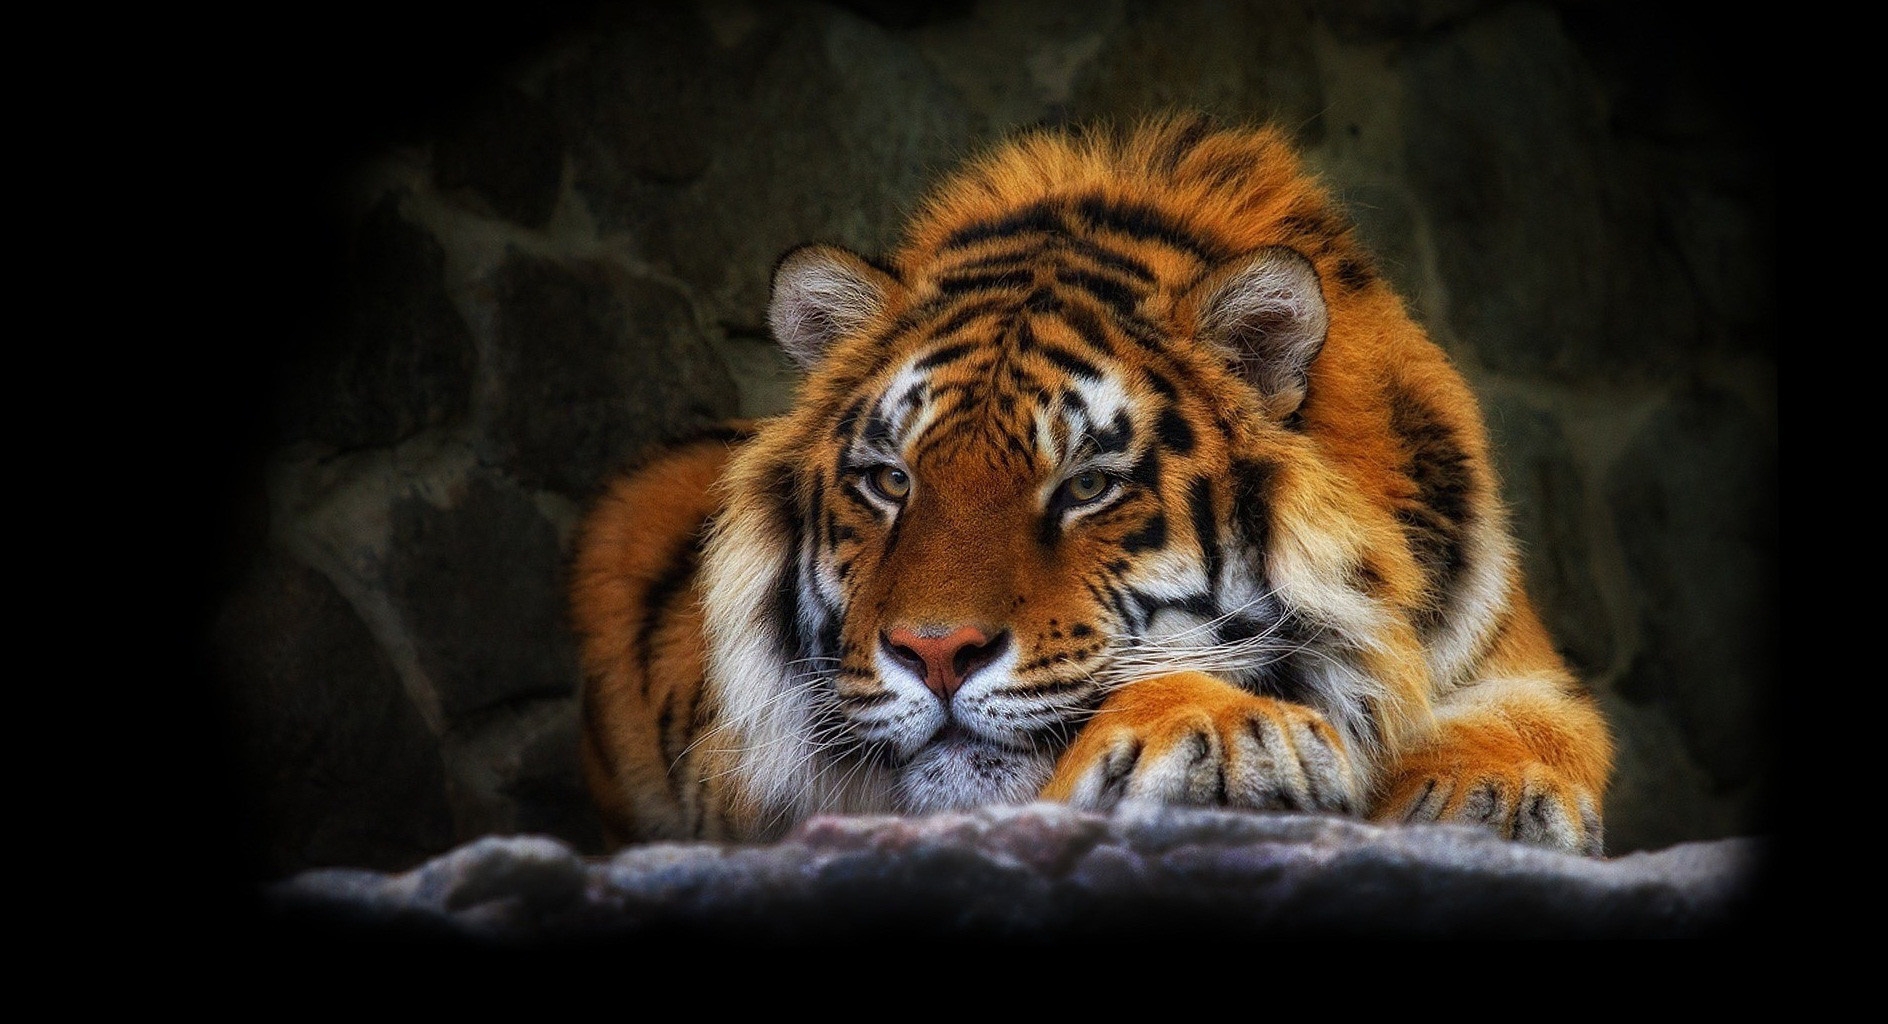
[[1721, 217], [341, 767], [1046, 872], [394, 358], [1695, 503], [479, 585], [1683, 111], [508, 154], [1369, 20], [1659, 795], [639, 101], [546, 785], [591, 365], [1549, 247], [1244, 63], [823, 127]]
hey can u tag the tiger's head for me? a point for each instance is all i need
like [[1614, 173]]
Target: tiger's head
[[1054, 444]]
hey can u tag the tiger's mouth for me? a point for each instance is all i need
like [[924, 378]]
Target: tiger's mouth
[[958, 769]]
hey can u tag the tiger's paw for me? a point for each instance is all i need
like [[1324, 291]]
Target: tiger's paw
[[1526, 801], [1189, 738]]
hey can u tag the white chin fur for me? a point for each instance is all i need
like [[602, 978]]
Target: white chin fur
[[956, 773]]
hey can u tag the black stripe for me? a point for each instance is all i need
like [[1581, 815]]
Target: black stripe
[[1354, 273], [965, 314], [1189, 137], [1029, 256], [1044, 216], [1205, 526], [1138, 220], [1118, 436], [1024, 337], [1104, 289], [1087, 326], [1228, 169], [1013, 443], [891, 540], [878, 429], [949, 353], [1312, 226], [1070, 361], [958, 388], [1235, 628], [837, 532], [1151, 535], [786, 610], [882, 267], [677, 574], [1161, 384], [1174, 432], [861, 501], [830, 640], [1363, 577], [1436, 522], [1111, 259], [1051, 530], [1252, 500], [1045, 687], [849, 420], [1144, 333], [1116, 598], [700, 716], [953, 285], [1006, 259], [817, 500]]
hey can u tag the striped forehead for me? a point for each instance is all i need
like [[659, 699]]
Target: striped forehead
[[1058, 418], [1089, 416]]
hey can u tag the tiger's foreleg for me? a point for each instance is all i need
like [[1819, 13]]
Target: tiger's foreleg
[[1521, 749], [1523, 757], [1192, 738]]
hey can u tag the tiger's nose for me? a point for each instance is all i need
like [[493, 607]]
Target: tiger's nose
[[944, 655]]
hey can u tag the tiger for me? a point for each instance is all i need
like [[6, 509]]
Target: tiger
[[1126, 477]]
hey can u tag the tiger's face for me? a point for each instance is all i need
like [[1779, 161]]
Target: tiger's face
[[1015, 524], [987, 516]]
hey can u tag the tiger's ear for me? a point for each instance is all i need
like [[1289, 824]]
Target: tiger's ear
[[820, 294], [1267, 312]]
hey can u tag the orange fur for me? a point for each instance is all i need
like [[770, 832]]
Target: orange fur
[[1172, 471]]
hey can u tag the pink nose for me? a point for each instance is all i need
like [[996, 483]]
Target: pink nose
[[945, 656]]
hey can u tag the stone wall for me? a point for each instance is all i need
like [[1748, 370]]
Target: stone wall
[[557, 252]]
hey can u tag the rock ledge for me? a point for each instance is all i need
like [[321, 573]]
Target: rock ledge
[[1042, 873]]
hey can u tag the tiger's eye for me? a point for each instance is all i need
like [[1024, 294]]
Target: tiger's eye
[[892, 482], [1084, 487]]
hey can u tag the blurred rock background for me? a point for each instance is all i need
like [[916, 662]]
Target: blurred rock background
[[470, 268]]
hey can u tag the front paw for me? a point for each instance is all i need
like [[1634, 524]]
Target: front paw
[[1527, 801], [1189, 738]]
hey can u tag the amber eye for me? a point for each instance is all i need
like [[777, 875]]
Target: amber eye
[[890, 482], [1083, 488]]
